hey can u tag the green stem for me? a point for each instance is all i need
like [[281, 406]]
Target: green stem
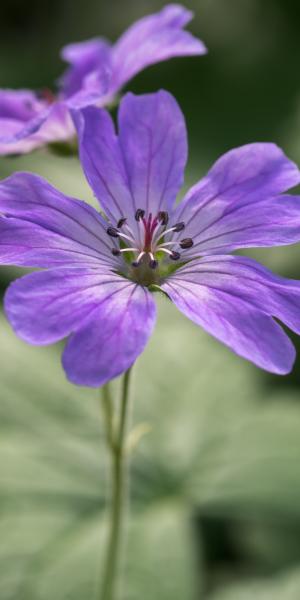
[[108, 413], [115, 439]]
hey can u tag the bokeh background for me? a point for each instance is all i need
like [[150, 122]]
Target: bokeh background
[[215, 493]]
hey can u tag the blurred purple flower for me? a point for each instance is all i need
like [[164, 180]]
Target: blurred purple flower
[[96, 74], [101, 272]]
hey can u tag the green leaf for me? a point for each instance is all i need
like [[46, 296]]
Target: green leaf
[[283, 587]]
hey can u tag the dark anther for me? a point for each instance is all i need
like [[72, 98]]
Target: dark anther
[[121, 222], [153, 264], [112, 231], [163, 217], [140, 213], [135, 264], [175, 255], [179, 226], [115, 251], [186, 243]]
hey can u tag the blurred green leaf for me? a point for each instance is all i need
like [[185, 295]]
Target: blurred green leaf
[[282, 587]]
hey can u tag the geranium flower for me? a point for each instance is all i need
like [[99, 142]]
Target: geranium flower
[[97, 73], [101, 271]]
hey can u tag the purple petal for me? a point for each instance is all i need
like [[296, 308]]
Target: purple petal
[[153, 39], [42, 227], [47, 306], [102, 161], [153, 139], [20, 105], [87, 79], [112, 338], [143, 168], [234, 299], [93, 91], [236, 206], [51, 124]]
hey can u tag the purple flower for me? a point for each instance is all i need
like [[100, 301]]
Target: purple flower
[[100, 272], [96, 74]]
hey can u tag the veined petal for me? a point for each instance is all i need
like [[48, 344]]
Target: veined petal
[[144, 166], [153, 140], [43, 227], [237, 202], [234, 299], [112, 337], [52, 124], [152, 39], [20, 105], [47, 306], [249, 280], [93, 90], [102, 161], [86, 58], [10, 129], [268, 222]]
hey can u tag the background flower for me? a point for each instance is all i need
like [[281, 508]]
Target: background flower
[[97, 72]]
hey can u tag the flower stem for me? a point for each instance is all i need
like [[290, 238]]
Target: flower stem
[[115, 435]]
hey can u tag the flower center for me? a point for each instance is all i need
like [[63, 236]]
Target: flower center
[[147, 245]]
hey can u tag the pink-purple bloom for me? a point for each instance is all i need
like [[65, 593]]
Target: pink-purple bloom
[[96, 74], [100, 272]]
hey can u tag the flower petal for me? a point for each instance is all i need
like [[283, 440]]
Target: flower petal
[[143, 168], [85, 58], [152, 39], [52, 124], [249, 280], [112, 338], [47, 306], [102, 161], [234, 299], [236, 206], [42, 227], [21, 105], [153, 139]]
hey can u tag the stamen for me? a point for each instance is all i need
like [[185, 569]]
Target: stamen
[[174, 255], [163, 217], [186, 243], [113, 232], [140, 256], [126, 237], [121, 222], [175, 243], [129, 250], [170, 253], [178, 226], [136, 262], [161, 249], [153, 264], [140, 213], [115, 251]]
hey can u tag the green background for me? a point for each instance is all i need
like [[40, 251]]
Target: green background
[[215, 492]]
